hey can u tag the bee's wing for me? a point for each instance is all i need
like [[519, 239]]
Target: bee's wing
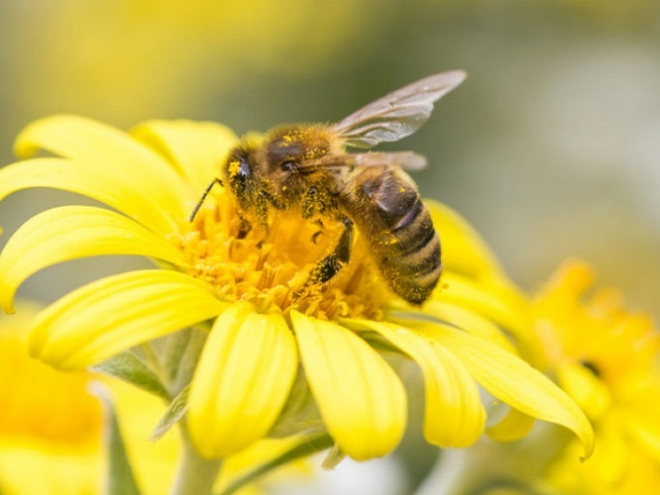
[[405, 159], [397, 114]]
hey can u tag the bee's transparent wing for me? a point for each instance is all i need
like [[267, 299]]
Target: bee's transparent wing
[[398, 114], [404, 159]]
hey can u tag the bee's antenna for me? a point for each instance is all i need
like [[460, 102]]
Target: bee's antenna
[[201, 200]]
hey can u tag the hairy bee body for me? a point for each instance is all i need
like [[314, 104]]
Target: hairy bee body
[[306, 169], [386, 207]]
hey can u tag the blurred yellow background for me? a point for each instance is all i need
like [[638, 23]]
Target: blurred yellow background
[[551, 148]]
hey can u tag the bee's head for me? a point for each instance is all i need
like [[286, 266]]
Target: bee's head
[[240, 171], [272, 166]]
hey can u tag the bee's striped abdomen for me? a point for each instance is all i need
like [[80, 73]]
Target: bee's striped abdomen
[[398, 227]]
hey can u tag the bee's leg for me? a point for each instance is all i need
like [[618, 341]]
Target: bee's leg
[[243, 227], [261, 208], [310, 204], [318, 200], [329, 266], [262, 202]]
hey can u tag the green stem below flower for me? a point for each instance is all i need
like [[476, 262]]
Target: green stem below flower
[[307, 446], [196, 475]]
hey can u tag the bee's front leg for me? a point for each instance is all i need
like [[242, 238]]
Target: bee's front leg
[[244, 226], [262, 201], [329, 266], [310, 204], [318, 200]]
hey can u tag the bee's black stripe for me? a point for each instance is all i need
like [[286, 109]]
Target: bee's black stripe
[[406, 220], [416, 256]]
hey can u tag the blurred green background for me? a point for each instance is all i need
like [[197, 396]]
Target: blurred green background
[[551, 148]]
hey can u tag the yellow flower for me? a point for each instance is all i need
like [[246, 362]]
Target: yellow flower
[[238, 466], [248, 289], [51, 427], [606, 358]]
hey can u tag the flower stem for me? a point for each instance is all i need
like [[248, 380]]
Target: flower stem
[[195, 475], [307, 446]]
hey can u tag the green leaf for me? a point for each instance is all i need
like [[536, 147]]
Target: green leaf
[[126, 366], [182, 355], [309, 445], [300, 412], [332, 459], [120, 479], [174, 413]]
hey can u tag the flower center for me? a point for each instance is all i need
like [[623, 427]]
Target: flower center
[[271, 266]]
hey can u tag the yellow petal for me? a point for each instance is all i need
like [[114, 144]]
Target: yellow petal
[[458, 398], [645, 430], [195, 148], [86, 140], [454, 415], [110, 315], [514, 426], [72, 232], [463, 250], [469, 321], [589, 391], [360, 398], [59, 472], [499, 303], [105, 184], [137, 413], [262, 453], [515, 382], [242, 380]]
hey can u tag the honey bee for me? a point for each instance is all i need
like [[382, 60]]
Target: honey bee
[[305, 168]]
